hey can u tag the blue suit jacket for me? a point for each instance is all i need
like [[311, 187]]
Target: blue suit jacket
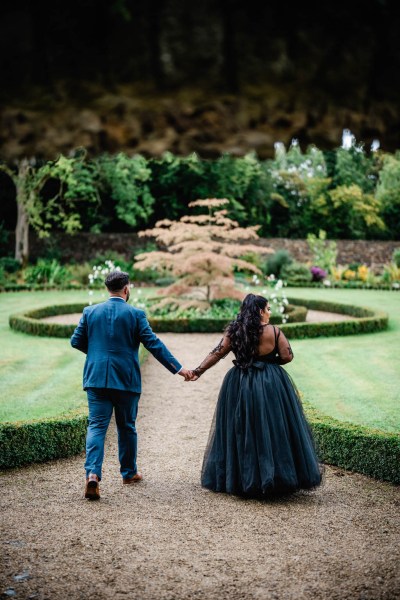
[[109, 334]]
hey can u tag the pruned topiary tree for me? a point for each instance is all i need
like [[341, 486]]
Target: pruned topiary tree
[[201, 252]]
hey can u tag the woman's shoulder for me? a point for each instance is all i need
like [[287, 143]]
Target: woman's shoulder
[[271, 331]]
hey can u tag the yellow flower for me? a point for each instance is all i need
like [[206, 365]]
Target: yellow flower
[[337, 273], [362, 272], [349, 274]]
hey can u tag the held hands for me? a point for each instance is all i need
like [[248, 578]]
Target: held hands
[[188, 375]]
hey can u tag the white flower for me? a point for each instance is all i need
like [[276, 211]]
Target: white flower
[[375, 145], [279, 149], [348, 139], [326, 282], [282, 309]]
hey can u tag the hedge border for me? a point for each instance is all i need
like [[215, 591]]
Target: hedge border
[[357, 448], [367, 321], [366, 450], [40, 440], [342, 285]]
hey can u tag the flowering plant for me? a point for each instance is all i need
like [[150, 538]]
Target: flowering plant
[[277, 298], [98, 275], [318, 274]]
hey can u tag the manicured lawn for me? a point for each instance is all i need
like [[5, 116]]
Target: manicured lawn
[[39, 377], [354, 378]]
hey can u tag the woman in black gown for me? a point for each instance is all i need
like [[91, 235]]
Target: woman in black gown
[[260, 443]]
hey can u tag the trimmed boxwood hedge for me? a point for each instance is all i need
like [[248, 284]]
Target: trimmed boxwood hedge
[[368, 451], [367, 321], [357, 448], [26, 442], [22, 443]]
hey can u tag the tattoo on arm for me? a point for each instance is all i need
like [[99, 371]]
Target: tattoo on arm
[[218, 348], [212, 358]]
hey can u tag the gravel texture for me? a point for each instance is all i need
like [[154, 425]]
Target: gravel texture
[[167, 538]]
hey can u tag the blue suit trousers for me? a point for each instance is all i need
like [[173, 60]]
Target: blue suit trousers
[[101, 402]]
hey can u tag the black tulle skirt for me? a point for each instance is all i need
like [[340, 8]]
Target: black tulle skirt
[[260, 443]]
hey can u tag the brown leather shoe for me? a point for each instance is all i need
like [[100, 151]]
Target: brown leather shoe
[[134, 479], [92, 490]]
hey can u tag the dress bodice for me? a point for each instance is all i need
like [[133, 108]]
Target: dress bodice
[[274, 354]]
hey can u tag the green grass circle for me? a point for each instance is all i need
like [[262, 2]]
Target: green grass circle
[[366, 449]]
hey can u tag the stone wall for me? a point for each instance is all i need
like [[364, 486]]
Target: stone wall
[[86, 246]]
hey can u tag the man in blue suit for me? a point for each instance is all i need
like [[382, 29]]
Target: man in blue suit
[[109, 334]]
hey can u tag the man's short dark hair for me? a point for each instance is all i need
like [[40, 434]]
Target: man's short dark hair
[[116, 281]]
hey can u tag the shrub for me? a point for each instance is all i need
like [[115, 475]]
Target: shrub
[[23, 443], [367, 321], [368, 451], [391, 274], [388, 193], [357, 213], [295, 273], [10, 265], [396, 257], [324, 252], [47, 272], [275, 263]]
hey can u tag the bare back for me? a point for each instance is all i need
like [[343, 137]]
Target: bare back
[[271, 339]]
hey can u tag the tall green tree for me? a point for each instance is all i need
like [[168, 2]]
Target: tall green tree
[[126, 179], [70, 180]]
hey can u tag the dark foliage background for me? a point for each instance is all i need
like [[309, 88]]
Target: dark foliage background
[[349, 51]]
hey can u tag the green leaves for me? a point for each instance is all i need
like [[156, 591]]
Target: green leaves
[[71, 181], [126, 180]]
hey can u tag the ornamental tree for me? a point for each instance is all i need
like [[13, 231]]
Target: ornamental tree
[[202, 252], [72, 183]]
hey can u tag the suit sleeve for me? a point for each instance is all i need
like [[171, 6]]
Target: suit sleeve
[[79, 338], [154, 345]]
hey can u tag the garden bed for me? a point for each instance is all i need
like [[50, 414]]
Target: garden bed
[[359, 320]]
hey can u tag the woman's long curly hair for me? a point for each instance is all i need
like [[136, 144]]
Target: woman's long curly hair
[[244, 332]]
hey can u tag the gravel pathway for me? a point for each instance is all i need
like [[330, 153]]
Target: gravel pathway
[[167, 538]]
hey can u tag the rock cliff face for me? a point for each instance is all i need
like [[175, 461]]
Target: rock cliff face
[[185, 123], [207, 77]]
